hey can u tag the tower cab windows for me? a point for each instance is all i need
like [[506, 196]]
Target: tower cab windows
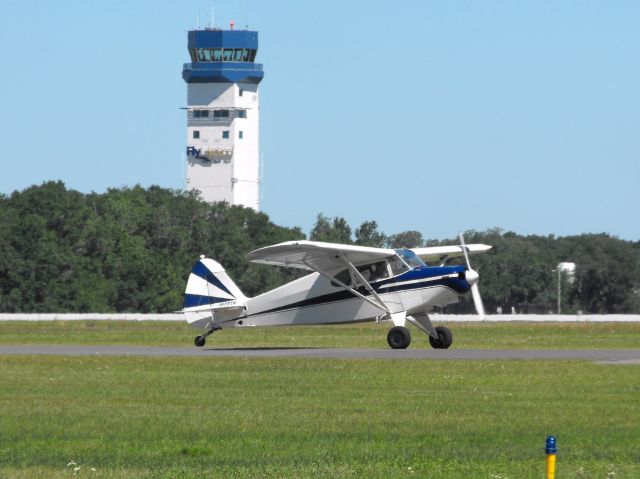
[[222, 55], [221, 113], [201, 113]]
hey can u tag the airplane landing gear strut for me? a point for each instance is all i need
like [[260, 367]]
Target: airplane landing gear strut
[[199, 341]]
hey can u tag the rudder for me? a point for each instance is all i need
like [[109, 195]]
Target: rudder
[[210, 288]]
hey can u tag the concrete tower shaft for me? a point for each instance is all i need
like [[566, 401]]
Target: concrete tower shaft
[[223, 155]]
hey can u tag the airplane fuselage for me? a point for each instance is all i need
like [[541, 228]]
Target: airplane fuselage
[[314, 299]]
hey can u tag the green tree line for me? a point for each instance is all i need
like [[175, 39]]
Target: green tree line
[[131, 250]]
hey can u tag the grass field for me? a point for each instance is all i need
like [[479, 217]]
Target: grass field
[[486, 335], [276, 418]]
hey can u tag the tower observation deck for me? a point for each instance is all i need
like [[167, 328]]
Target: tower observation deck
[[223, 157]]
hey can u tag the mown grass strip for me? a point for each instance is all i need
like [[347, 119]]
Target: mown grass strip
[[368, 335], [229, 417]]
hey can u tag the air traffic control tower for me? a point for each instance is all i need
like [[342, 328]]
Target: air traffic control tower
[[223, 158]]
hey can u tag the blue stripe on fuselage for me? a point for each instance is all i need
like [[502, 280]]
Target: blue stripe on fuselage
[[458, 284], [191, 300]]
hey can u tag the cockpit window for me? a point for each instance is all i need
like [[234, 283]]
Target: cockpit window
[[370, 272], [410, 258], [374, 271], [344, 277], [397, 266]]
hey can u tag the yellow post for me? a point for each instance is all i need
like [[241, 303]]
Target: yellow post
[[551, 450], [551, 466]]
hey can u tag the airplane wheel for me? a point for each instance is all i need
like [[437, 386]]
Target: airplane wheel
[[399, 337], [445, 338], [199, 341]]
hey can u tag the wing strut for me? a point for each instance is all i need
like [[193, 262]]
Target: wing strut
[[379, 305], [366, 284], [423, 322]]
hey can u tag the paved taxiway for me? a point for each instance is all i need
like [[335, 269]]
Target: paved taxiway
[[625, 356]]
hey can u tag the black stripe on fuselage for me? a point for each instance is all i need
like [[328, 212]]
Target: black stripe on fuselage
[[345, 295]]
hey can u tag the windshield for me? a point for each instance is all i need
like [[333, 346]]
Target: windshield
[[410, 258]]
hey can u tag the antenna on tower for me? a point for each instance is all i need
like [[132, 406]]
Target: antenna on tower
[[213, 25], [244, 14]]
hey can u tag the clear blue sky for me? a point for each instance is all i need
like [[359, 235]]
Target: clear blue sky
[[435, 116]]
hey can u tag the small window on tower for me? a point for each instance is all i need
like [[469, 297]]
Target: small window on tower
[[225, 134], [196, 134], [242, 113], [240, 135]]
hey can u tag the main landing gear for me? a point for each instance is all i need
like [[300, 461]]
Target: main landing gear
[[199, 341], [445, 338], [440, 337], [399, 337]]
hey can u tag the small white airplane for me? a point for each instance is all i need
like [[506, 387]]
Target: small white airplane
[[348, 284]]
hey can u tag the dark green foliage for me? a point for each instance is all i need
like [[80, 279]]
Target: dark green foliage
[[520, 272], [406, 239], [128, 249], [331, 231], [131, 249], [367, 234]]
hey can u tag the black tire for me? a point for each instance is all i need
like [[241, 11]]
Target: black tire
[[399, 337], [445, 338], [199, 341]]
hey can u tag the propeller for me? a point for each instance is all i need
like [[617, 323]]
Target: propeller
[[472, 278]]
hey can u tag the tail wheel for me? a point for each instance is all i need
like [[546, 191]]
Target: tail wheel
[[199, 341], [399, 337], [445, 338]]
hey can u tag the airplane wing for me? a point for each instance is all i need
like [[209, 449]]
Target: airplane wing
[[317, 256], [438, 254], [327, 259]]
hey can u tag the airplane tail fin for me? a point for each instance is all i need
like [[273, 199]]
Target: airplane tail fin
[[210, 293]]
